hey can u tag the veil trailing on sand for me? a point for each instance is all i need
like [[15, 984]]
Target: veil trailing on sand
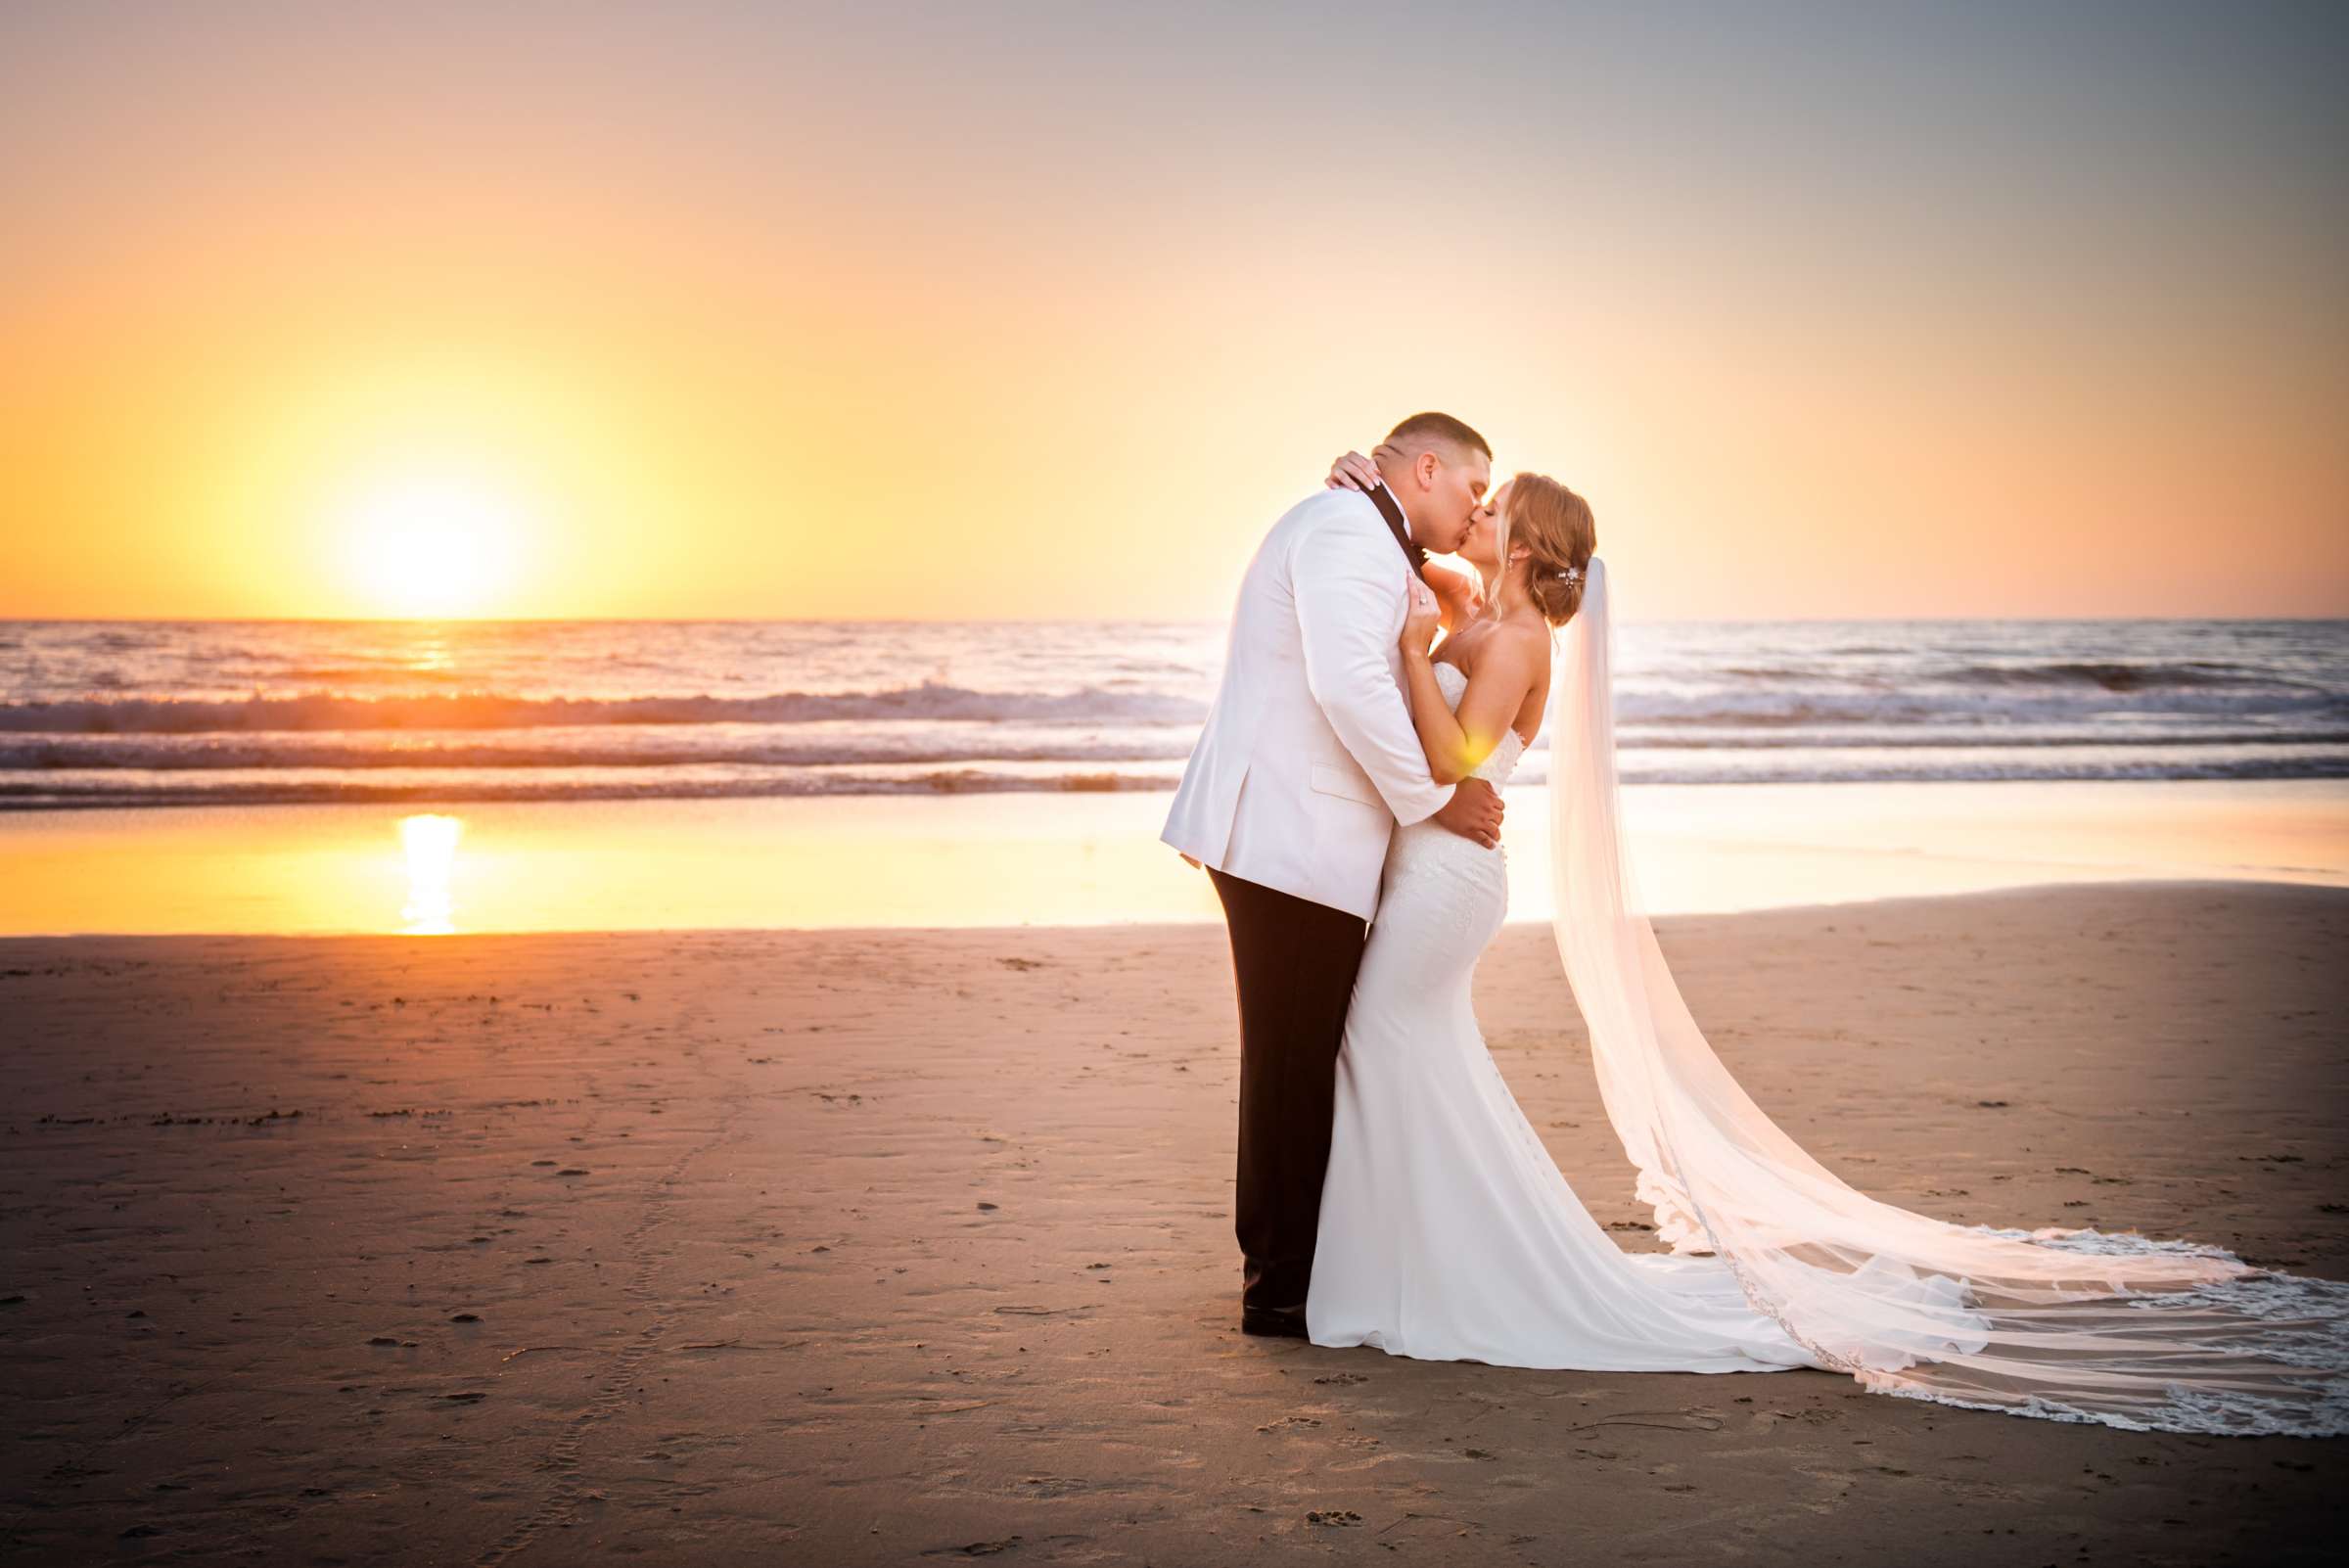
[[2073, 1326]]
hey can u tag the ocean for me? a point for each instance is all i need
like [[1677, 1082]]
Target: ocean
[[162, 713]]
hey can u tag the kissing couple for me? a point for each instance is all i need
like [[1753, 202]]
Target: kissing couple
[[1345, 798]]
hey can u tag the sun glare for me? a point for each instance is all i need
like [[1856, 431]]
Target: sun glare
[[431, 547]]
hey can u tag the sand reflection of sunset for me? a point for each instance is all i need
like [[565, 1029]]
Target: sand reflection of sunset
[[428, 842]]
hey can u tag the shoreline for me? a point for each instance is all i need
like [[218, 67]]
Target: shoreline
[[1142, 930]]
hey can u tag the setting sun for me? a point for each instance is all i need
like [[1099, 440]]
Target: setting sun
[[431, 546]]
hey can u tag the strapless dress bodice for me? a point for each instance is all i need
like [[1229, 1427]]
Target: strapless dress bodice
[[1452, 681], [1472, 878]]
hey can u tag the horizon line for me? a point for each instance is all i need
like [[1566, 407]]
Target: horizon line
[[1096, 620]]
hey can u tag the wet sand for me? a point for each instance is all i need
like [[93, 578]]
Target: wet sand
[[867, 1246], [1000, 860]]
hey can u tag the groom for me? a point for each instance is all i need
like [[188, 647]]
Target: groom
[[1308, 763]]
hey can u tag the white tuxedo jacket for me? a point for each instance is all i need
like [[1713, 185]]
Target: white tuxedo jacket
[[1308, 758]]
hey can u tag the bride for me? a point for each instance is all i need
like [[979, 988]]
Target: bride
[[1447, 1232]]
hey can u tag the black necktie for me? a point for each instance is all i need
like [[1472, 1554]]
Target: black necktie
[[1392, 510]]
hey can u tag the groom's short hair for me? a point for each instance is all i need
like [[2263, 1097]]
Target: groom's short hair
[[1427, 429]]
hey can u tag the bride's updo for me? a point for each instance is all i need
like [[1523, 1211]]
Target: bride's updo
[[1556, 526]]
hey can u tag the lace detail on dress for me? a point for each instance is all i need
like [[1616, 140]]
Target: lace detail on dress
[[2284, 1337]]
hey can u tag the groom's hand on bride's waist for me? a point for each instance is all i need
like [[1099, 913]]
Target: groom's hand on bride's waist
[[1473, 812]]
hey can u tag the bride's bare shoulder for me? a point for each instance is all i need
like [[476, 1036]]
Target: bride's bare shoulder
[[1517, 646]]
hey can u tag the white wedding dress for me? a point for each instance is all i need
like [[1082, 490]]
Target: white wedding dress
[[1447, 1232]]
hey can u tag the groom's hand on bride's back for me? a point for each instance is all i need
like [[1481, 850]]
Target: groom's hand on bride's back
[[1473, 811]]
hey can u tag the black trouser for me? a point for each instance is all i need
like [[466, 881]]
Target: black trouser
[[1294, 962]]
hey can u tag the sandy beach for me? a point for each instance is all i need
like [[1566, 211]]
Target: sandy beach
[[886, 1246]]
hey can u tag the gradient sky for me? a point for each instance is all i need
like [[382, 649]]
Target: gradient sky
[[1047, 310]]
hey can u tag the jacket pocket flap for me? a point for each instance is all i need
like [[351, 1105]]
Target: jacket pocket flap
[[1337, 781]]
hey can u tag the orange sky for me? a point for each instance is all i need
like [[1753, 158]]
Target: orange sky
[[1047, 310]]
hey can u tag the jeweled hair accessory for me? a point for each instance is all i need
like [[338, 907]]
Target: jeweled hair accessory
[[1571, 576]]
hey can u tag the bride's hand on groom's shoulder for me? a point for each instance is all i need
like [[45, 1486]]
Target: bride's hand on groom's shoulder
[[1351, 472]]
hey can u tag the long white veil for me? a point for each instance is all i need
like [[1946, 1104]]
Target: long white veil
[[2073, 1326]]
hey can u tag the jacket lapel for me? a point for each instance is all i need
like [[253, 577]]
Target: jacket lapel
[[1392, 510]]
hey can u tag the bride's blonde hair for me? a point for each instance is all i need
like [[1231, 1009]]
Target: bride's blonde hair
[[1558, 532]]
